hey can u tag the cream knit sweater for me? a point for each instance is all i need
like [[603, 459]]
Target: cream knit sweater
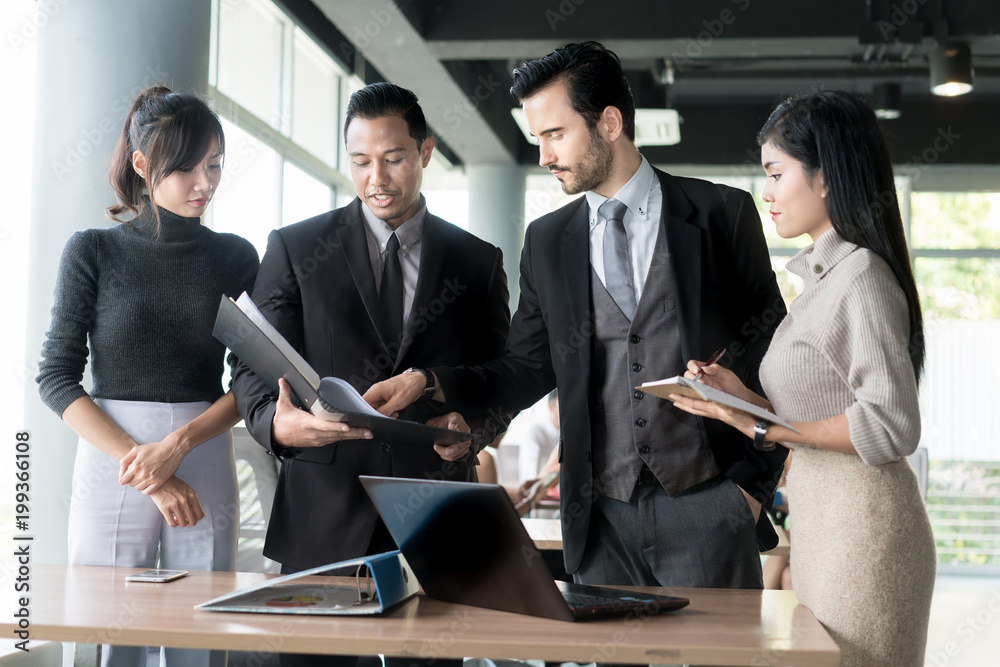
[[863, 555]]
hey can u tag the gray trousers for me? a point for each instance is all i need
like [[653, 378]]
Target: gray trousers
[[704, 537]]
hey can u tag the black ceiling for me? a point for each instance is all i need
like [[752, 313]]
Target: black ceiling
[[732, 61]]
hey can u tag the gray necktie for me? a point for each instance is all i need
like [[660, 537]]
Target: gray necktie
[[617, 264]]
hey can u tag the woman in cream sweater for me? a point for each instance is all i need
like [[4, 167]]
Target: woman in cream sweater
[[843, 370]]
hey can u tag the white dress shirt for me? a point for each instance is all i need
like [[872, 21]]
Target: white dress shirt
[[644, 199]]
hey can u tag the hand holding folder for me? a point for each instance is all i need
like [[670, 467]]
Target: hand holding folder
[[242, 328]]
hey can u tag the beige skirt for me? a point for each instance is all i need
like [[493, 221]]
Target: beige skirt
[[863, 558]]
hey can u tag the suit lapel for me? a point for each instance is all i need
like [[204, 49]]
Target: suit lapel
[[354, 243], [686, 264], [433, 249], [575, 263]]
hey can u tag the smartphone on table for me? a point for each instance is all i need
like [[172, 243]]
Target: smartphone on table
[[156, 576]]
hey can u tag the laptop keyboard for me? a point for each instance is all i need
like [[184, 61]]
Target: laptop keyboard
[[584, 601]]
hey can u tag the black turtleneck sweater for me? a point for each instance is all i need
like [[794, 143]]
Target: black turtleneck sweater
[[147, 303]]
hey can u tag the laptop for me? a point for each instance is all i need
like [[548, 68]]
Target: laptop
[[466, 544]]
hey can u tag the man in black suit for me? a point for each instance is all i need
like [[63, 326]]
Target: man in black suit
[[618, 287], [363, 292]]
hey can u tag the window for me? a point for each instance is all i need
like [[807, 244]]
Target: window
[[281, 98], [955, 238]]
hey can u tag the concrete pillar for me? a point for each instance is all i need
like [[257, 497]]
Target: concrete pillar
[[93, 59], [496, 213]]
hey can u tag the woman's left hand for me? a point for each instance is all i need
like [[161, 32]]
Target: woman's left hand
[[738, 419], [147, 467]]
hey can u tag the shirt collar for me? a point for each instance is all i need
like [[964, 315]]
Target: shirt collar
[[408, 233], [814, 261], [634, 194]]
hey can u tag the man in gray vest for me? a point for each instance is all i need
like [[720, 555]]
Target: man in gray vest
[[619, 287]]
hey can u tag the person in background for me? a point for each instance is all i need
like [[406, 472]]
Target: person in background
[[155, 468], [535, 432], [843, 369]]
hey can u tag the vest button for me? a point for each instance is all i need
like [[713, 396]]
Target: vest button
[[386, 448], [644, 449], [636, 367], [633, 338], [638, 394], [586, 455], [640, 422]]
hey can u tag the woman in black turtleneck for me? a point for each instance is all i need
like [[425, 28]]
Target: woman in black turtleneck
[[155, 469]]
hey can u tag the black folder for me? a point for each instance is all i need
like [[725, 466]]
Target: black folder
[[242, 328]]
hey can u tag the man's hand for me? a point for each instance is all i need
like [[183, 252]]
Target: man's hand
[[147, 467], [392, 395], [293, 427], [453, 422], [178, 503]]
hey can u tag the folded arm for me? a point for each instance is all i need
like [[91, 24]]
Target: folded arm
[[177, 502]]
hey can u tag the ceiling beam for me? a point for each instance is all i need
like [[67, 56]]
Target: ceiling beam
[[387, 39]]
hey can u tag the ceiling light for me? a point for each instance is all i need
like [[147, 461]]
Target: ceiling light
[[951, 69], [886, 99]]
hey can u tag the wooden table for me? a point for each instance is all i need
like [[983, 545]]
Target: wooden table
[[547, 534], [720, 627]]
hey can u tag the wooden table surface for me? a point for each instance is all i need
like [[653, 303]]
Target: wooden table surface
[[720, 627]]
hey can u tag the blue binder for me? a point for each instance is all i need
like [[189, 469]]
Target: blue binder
[[381, 582]]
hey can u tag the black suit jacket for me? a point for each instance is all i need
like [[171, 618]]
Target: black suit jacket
[[317, 287], [726, 295]]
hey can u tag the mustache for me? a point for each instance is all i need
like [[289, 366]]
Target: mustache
[[558, 167]]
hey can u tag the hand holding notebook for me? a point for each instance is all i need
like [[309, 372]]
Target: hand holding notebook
[[685, 387]]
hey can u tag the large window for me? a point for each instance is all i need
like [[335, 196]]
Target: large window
[[281, 97], [955, 239]]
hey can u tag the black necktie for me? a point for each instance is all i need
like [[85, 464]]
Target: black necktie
[[390, 297], [617, 265]]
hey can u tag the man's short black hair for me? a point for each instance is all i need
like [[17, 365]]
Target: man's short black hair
[[594, 80], [378, 100]]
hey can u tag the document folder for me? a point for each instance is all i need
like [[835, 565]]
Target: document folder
[[381, 581], [242, 328]]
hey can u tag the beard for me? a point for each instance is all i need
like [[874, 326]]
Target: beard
[[593, 170]]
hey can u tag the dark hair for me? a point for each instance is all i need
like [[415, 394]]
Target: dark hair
[[378, 100], [838, 132], [594, 80], [172, 131]]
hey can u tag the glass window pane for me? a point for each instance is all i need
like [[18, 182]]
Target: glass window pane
[[348, 86], [955, 220], [303, 196], [959, 417], [247, 203], [250, 50], [315, 88], [952, 288], [790, 284]]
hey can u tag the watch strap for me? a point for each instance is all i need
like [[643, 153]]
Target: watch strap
[[759, 432], [431, 386]]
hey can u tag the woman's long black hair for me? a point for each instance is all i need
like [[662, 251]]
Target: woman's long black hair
[[838, 132]]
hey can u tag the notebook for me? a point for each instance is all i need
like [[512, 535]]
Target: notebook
[[466, 544]]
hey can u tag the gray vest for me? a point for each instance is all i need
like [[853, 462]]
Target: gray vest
[[631, 428]]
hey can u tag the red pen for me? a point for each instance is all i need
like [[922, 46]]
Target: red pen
[[718, 354]]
